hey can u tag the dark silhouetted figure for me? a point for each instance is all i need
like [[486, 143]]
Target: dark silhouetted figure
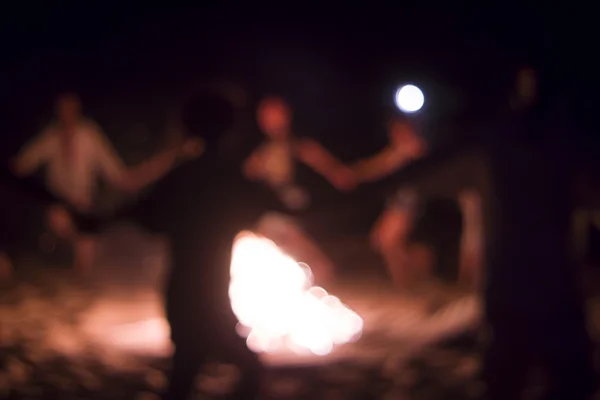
[[201, 207], [524, 169]]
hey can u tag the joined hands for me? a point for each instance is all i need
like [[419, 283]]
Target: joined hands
[[344, 179], [191, 148]]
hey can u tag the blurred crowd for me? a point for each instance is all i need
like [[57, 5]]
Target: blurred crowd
[[75, 155], [487, 221]]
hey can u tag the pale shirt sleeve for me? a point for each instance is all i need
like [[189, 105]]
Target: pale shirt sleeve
[[35, 153], [107, 162]]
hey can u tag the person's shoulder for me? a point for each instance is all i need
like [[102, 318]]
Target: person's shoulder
[[391, 150]]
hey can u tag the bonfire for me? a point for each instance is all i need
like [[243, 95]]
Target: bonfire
[[278, 307]]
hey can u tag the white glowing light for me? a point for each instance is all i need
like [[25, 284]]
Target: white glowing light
[[277, 306], [409, 98]]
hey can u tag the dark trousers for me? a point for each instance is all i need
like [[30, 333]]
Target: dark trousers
[[560, 344], [218, 340]]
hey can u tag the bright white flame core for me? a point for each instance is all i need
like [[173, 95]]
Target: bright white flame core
[[277, 306], [409, 98]]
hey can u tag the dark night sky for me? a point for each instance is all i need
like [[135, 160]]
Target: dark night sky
[[338, 67]]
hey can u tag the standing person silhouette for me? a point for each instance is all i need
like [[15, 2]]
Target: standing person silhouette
[[524, 171], [201, 207]]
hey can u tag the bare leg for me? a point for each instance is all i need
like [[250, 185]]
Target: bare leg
[[85, 253], [388, 237], [395, 260], [84, 246], [420, 261], [471, 245], [471, 268]]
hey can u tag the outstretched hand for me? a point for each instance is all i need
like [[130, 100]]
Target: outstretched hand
[[191, 148], [344, 179]]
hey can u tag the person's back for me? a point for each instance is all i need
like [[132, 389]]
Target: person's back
[[204, 205], [201, 207]]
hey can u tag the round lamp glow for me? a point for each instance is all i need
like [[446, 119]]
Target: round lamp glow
[[409, 98]]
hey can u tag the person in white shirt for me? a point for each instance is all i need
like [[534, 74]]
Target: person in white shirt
[[76, 153]]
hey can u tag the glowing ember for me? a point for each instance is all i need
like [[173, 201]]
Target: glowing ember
[[277, 306]]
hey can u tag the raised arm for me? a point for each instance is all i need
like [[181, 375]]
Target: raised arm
[[380, 165], [136, 178], [323, 162], [33, 154], [162, 163]]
